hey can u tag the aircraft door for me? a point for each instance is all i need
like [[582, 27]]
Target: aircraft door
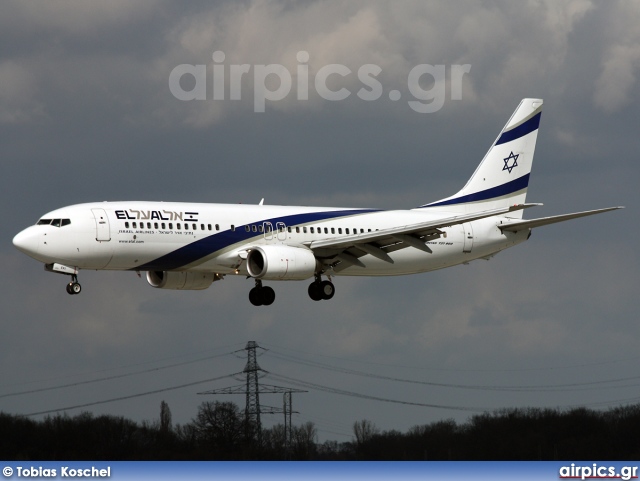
[[467, 233], [103, 231], [282, 231], [268, 230]]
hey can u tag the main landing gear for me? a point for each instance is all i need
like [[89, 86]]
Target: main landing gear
[[74, 286], [264, 295], [321, 290], [261, 295]]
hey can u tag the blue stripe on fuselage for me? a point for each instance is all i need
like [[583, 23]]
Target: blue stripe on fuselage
[[205, 247]]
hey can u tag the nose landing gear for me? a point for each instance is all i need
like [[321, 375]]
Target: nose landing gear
[[74, 286]]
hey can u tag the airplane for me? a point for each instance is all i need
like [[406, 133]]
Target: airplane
[[188, 246]]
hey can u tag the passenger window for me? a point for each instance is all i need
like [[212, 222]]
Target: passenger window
[[346, 231], [289, 229], [339, 230], [178, 226], [135, 225], [126, 225], [333, 230], [297, 230], [155, 225], [217, 226], [209, 226], [163, 226], [195, 226], [247, 228], [326, 231], [170, 225], [304, 230], [311, 229], [254, 228], [233, 228]]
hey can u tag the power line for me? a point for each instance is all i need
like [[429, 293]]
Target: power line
[[109, 378], [480, 387], [132, 396], [344, 392], [437, 406], [443, 369], [111, 368]]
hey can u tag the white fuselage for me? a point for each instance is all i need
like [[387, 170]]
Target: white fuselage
[[167, 236]]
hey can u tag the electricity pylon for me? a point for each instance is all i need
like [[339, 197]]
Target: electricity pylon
[[252, 390]]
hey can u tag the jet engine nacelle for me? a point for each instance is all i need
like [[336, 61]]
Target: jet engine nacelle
[[273, 262], [180, 280]]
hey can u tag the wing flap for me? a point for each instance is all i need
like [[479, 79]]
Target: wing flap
[[390, 236]]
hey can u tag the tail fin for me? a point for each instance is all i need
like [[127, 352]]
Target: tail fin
[[502, 177]]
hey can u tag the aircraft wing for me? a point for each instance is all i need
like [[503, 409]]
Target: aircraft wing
[[380, 242], [529, 224]]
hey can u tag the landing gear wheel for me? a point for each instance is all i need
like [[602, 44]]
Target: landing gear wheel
[[256, 296], [74, 288], [315, 291], [268, 296], [327, 290], [262, 296]]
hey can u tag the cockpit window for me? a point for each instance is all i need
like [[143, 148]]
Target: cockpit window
[[54, 222]]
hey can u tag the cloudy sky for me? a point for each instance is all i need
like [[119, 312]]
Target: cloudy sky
[[87, 114]]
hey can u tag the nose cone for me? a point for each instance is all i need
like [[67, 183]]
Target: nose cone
[[27, 241]]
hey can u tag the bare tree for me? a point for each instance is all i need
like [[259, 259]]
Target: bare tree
[[364, 430], [165, 418], [275, 438], [220, 424], [304, 440]]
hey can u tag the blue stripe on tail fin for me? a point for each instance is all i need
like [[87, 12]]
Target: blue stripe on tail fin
[[502, 177]]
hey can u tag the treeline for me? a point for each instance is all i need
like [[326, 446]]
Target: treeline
[[220, 432]]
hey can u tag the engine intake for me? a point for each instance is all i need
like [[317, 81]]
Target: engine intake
[[180, 280], [274, 262]]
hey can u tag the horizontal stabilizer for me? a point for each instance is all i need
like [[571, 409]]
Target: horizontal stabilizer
[[530, 224]]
